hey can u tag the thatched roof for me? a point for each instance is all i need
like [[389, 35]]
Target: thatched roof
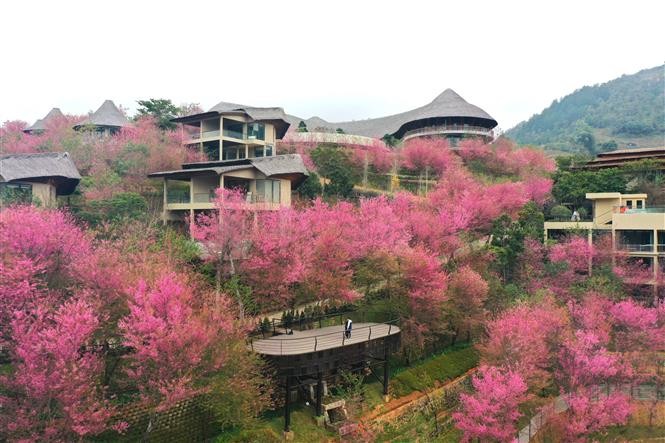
[[108, 115], [448, 104], [41, 124], [273, 115], [278, 165], [57, 167]]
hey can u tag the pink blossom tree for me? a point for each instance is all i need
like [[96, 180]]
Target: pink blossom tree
[[491, 412], [174, 347]]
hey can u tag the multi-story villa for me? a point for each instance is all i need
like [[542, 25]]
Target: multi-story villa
[[635, 229], [448, 115], [239, 143]]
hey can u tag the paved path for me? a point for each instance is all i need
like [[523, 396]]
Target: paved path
[[311, 340]]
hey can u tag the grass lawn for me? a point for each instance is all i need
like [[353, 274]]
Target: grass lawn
[[440, 368], [270, 429], [629, 433]]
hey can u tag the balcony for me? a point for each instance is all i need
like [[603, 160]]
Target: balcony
[[178, 196], [234, 134], [449, 129], [630, 247]]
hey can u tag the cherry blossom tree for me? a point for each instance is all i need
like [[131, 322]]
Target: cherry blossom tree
[[174, 346], [491, 412]]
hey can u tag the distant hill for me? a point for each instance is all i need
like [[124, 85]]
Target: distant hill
[[625, 112]]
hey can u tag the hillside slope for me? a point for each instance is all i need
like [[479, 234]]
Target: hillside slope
[[629, 110]]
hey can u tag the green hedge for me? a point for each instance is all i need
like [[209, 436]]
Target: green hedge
[[442, 368]]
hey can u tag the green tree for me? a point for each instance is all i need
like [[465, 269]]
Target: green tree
[[161, 109], [121, 207], [532, 221], [340, 131], [507, 245], [302, 127], [389, 140], [311, 187], [335, 165], [571, 187]]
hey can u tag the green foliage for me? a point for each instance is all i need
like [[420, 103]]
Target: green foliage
[[311, 187], [531, 220], [13, 196], [571, 187], [177, 245], [121, 207], [132, 156], [629, 106], [335, 165], [239, 392], [162, 110], [560, 212], [302, 127], [389, 140], [241, 292], [351, 385], [444, 367], [507, 245], [340, 131]]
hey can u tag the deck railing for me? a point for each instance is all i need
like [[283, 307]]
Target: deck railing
[[290, 345], [448, 129]]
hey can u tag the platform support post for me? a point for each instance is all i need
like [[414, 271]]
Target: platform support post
[[287, 405], [386, 370], [319, 394]]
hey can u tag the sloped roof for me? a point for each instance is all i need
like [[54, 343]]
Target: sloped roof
[[108, 114], [39, 167], [447, 104], [40, 125], [269, 166], [273, 115]]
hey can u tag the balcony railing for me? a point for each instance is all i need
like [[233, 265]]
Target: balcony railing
[[443, 129], [650, 210], [204, 197], [631, 247], [177, 196], [234, 134]]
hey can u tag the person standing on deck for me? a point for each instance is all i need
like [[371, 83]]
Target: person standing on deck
[[347, 328]]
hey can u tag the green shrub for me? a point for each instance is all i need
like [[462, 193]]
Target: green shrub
[[442, 368], [560, 212]]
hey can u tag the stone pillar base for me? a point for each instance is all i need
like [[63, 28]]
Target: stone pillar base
[[320, 420], [289, 436], [386, 398]]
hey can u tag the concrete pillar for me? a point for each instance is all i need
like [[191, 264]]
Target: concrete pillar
[[319, 394], [287, 405], [165, 201]]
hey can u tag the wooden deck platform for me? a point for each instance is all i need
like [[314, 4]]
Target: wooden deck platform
[[330, 337]]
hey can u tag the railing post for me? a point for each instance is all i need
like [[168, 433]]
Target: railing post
[[281, 347], [316, 342]]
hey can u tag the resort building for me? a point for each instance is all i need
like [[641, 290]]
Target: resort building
[[107, 120], [448, 115], [635, 229], [239, 143], [621, 157], [232, 132], [37, 178], [42, 124]]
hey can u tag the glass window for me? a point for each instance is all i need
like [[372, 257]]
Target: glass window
[[256, 131], [268, 191], [629, 203], [233, 129], [269, 151], [639, 204], [258, 151], [241, 152]]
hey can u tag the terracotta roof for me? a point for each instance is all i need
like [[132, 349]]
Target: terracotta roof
[[39, 167]]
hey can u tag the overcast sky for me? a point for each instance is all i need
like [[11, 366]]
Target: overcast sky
[[340, 60]]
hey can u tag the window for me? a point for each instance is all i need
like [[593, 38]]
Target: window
[[256, 131], [639, 204], [268, 191], [15, 193], [629, 203], [258, 151], [269, 151], [233, 129]]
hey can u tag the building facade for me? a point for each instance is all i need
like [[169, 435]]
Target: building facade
[[636, 230], [239, 144], [37, 178]]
